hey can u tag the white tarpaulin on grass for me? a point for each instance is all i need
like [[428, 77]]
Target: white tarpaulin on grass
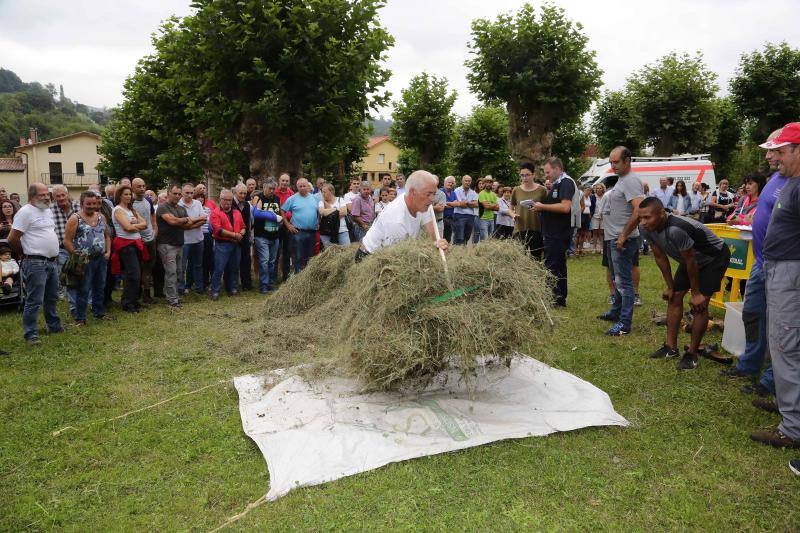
[[311, 433]]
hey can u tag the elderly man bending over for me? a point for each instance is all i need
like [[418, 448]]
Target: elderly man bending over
[[405, 216]]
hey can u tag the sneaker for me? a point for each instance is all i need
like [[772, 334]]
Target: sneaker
[[734, 372], [611, 300], [637, 300], [80, 323], [665, 352], [33, 341], [105, 318], [794, 466], [758, 389], [608, 318], [766, 404], [689, 361], [176, 305], [774, 437], [214, 296], [263, 290], [618, 330]]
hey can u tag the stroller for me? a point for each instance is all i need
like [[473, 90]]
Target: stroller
[[13, 298]]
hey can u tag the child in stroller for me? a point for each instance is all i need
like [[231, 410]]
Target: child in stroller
[[9, 269]]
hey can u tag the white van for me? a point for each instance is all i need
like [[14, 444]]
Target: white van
[[689, 168]]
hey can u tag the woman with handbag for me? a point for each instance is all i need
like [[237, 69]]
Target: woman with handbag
[[332, 224]]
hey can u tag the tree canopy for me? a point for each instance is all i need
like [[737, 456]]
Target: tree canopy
[[424, 121], [612, 123], [766, 88], [540, 66], [672, 104], [480, 145]]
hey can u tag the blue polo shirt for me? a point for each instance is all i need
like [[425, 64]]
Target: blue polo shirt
[[766, 201], [450, 197], [304, 210]]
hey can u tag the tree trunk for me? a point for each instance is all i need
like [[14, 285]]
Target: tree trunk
[[286, 157], [211, 163], [530, 135], [665, 147]]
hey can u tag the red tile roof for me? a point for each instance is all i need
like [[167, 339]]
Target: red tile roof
[[376, 139], [11, 164]]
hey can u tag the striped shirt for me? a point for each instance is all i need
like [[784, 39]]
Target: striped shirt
[[60, 218]]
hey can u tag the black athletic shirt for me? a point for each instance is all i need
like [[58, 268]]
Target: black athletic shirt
[[680, 234]]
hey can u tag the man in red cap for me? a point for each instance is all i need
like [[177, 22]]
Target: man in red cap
[[782, 272]]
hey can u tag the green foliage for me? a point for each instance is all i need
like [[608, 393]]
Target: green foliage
[[729, 132], [766, 88], [612, 123], [540, 67], [275, 78], [569, 144], [672, 104], [481, 145], [10, 82], [423, 119]]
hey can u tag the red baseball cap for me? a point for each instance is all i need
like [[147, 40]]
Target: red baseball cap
[[790, 134]]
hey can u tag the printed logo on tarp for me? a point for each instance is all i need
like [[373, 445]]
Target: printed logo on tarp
[[738, 248]]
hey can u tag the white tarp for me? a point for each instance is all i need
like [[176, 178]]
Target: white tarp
[[311, 433]]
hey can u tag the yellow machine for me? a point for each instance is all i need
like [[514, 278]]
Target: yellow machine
[[740, 243]]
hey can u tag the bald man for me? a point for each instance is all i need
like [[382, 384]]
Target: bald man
[[303, 226], [404, 217]]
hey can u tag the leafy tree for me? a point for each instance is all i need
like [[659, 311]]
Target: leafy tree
[[480, 146], [10, 82], [423, 119], [276, 78], [728, 134], [569, 144], [673, 106], [612, 123], [540, 67], [766, 88]]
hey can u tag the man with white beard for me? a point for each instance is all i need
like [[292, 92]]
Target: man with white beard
[[33, 233]]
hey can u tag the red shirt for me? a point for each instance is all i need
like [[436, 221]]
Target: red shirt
[[283, 195], [220, 220]]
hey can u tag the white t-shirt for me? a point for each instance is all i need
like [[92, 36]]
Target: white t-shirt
[[394, 224], [38, 231], [348, 197], [194, 210], [338, 204]]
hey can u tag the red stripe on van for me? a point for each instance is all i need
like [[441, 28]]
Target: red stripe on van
[[701, 168]]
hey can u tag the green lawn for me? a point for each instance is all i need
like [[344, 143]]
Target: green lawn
[[685, 463]]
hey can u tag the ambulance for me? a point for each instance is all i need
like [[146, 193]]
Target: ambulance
[[688, 168]]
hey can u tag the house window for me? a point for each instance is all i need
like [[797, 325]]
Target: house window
[[55, 149], [381, 159], [79, 169], [390, 165]]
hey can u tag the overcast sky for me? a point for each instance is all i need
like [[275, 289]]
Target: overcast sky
[[91, 46]]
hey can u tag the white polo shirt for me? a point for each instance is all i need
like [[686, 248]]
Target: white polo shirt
[[38, 231], [394, 224]]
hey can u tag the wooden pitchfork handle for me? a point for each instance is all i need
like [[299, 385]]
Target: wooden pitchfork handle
[[441, 252]]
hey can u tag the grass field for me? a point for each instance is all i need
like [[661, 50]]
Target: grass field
[[686, 463]]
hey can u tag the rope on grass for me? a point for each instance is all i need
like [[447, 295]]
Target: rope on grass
[[125, 415], [234, 518]]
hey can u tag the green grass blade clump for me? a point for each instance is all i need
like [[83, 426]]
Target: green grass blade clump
[[379, 320]]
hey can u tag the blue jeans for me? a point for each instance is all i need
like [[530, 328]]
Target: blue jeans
[[476, 230], [303, 242], [226, 261], [620, 262], [358, 233], [462, 227], [487, 228], [94, 283], [754, 314], [40, 278], [343, 239], [192, 267], [63, 255], [267, 253]]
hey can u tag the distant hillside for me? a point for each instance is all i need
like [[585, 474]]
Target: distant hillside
[[380, 126], [33, 105]]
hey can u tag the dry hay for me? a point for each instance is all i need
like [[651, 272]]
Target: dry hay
[[377, 320]]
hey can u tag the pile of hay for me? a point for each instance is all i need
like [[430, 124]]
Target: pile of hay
[[378, 321]]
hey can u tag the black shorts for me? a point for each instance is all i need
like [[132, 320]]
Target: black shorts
[[710, 275], [586, 221], [606, 244]]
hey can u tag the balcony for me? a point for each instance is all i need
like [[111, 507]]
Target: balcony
[[70, 179]]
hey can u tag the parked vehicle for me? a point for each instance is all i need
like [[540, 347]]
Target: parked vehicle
[[688, 168]]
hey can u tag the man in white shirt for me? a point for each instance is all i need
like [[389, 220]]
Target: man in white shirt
[[404, 217], [400, 183], [33, 233], [664, 192], [193, 243], [466, 209]]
